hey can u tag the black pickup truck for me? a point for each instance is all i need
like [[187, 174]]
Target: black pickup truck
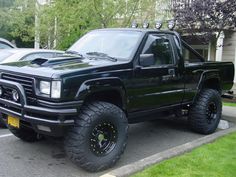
[[107, 79]]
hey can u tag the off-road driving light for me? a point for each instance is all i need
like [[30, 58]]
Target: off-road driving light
[[1, 91], [158, 25], [134, 24], [145, 25], [15, 95], [171, 24], [44, 128], [56, 89], [45, 87]]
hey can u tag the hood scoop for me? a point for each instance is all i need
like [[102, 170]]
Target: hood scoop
[[39, 61], [54, 61]]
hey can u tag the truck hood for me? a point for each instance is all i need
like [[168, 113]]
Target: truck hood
[[54, 68]]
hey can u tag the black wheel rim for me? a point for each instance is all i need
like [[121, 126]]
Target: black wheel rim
[[211, 112], [103, 138]]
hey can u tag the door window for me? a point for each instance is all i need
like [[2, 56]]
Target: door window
[[160, 47], [38, 55], [4, 46]]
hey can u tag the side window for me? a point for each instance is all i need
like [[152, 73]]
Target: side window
[[4, 46], [47, 55], [160, 47], [189, 56], [58, 55], [38, 55], [32, 56]]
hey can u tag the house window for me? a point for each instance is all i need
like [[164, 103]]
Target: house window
[[189, 56], [203, 52]]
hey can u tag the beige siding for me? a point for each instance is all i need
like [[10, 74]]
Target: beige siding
[[213, 52], [229, 48]]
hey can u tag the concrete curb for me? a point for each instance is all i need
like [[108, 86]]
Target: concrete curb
[[140, 165]]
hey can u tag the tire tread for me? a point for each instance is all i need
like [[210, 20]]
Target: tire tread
[[76, 137]]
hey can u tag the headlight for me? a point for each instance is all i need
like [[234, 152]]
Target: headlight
[[45, 87], [51, 89], [56, 89]]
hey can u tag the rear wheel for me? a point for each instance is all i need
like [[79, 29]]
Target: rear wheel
[[205, 114], [98, 138], [25, 134]]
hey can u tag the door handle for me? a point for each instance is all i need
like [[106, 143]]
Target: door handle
[[171, 72]]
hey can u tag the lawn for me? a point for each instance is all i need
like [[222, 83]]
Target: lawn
[[217, 159], [229, 104]]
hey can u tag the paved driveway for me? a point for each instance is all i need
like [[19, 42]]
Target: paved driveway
[[46, 158]]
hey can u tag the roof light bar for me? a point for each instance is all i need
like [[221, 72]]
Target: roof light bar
[[158, 25]]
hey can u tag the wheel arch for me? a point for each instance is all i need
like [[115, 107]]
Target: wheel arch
[[110, 90], [212, 83], [209, 80]]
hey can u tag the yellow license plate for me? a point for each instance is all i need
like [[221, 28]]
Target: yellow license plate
[[13, 121]]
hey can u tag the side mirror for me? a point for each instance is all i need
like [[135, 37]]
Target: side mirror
[[146, 60]]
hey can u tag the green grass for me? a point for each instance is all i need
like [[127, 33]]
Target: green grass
[[217, 159], [229, 104]]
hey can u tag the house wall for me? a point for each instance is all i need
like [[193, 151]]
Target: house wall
[[229, 50]]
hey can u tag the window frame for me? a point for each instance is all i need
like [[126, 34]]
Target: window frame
[[170, 38]]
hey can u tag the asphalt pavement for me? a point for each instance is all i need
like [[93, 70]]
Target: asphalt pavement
[[47, 158]]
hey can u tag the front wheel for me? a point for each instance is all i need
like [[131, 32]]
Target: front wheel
[[205, 113], [98, 138]]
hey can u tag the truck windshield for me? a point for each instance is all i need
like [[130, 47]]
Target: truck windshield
[[116, 44]]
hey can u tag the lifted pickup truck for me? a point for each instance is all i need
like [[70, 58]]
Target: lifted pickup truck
[[109, 78]]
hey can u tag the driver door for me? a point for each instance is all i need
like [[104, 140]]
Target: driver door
[[161, 83]]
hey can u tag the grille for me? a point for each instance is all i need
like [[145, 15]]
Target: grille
[[26, 82], [7, 94]]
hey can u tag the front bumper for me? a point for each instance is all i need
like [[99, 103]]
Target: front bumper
[[55, 116]]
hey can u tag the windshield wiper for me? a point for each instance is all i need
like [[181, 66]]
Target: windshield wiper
[[74, 53], [103, 55]]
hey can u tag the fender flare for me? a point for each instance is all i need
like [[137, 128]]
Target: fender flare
[[92, 86], [206, 75]]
